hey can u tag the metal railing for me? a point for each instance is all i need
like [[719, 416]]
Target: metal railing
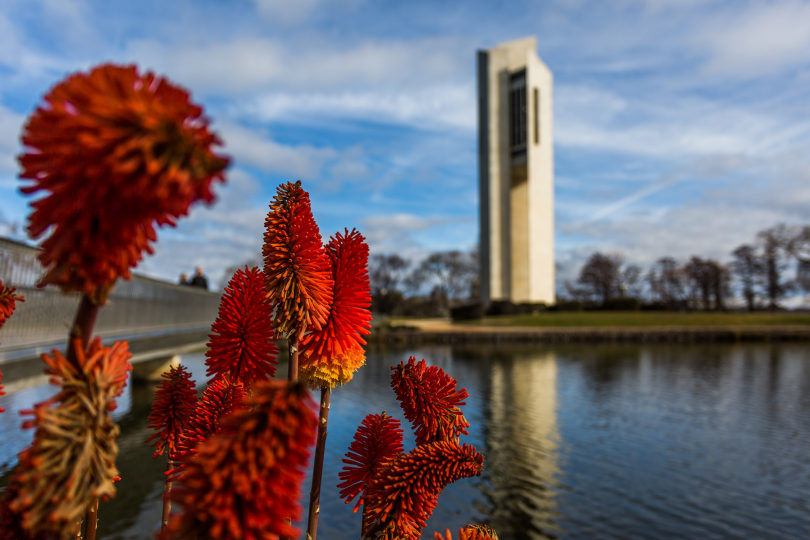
[[139, 307]]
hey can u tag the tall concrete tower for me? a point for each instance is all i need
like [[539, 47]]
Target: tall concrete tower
[[516, 174]]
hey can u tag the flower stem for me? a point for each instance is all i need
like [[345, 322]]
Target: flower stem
[[167, 498], [317, 471], [292, 375], [82, 329], [82, 326], [91, 519]]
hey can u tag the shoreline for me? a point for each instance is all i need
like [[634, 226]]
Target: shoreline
[[448, 333]]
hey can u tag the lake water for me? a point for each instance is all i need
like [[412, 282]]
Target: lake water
[[580, 442]]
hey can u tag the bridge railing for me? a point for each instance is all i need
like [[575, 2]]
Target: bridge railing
[[139, 307]]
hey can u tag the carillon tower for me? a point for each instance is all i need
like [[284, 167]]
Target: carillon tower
[[516, 174]]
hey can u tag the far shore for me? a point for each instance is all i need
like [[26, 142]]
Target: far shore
[[600, 327]]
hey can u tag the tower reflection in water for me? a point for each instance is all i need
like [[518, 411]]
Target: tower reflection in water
[[522, 445]]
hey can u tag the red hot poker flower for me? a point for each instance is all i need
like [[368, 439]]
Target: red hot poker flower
[[406, 492], [8, 302], [242, 346], [430, 401], [219, 399], [298, 277], [244, 482], [331, 355], [72, 458], [470, 532], [115, 153], [377, 442], [175, 399]]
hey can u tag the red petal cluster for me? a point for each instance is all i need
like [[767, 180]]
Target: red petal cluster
[[219, 399], [298, 277], [242, 347], [327, 354], [430, 401], [116, 153], [245, 482], [175, 399], [8, 302], [72, 458], [404, 495], [377, 442], [470, 532]]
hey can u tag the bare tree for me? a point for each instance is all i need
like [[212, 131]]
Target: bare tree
[[747, 266], [707, 283], [386, 274], [601, 276], [775, 244], [452, 274], [800, 249], [667, 282], [630, 281]]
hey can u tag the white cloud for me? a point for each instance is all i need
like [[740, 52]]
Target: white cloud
[[10, 129], [395, 233], [253, 64], [438, 107], [251, 148], [766, 38], [680, 127]]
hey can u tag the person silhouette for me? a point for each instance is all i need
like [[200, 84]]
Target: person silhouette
[[199, 279], [184, 279]]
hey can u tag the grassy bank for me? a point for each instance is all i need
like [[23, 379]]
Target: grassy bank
[[643, 319]]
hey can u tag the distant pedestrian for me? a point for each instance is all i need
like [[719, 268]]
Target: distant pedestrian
[[184, 279], [199, 279]]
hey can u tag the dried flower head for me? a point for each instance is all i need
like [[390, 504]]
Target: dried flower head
[[377, 442], [298, 277], [430, 401], [72, 458], [219, 399], [404, 495], [175, 399], [331, 355], [470, 532], [116, 153], [242, 346], [245, 481], [8, 302]]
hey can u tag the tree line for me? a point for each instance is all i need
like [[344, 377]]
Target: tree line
[[439, 282], [758, 274]]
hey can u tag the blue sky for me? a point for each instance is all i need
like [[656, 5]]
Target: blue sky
[[681, 126]]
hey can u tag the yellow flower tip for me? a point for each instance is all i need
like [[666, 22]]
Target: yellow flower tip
[[328, 371]]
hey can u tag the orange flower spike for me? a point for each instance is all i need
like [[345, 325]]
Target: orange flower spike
[[377, 442], [116, 154], [175, 400], [407, 491], [430, 401], [244, 482], [72, 458], [242, 346], [331, 355], [219, 399], [298, 278], [8, 302]]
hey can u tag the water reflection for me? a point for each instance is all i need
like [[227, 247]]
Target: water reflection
[[522, 443], [580, 442]]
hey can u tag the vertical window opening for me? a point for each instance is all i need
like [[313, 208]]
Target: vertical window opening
[[536, 116]]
